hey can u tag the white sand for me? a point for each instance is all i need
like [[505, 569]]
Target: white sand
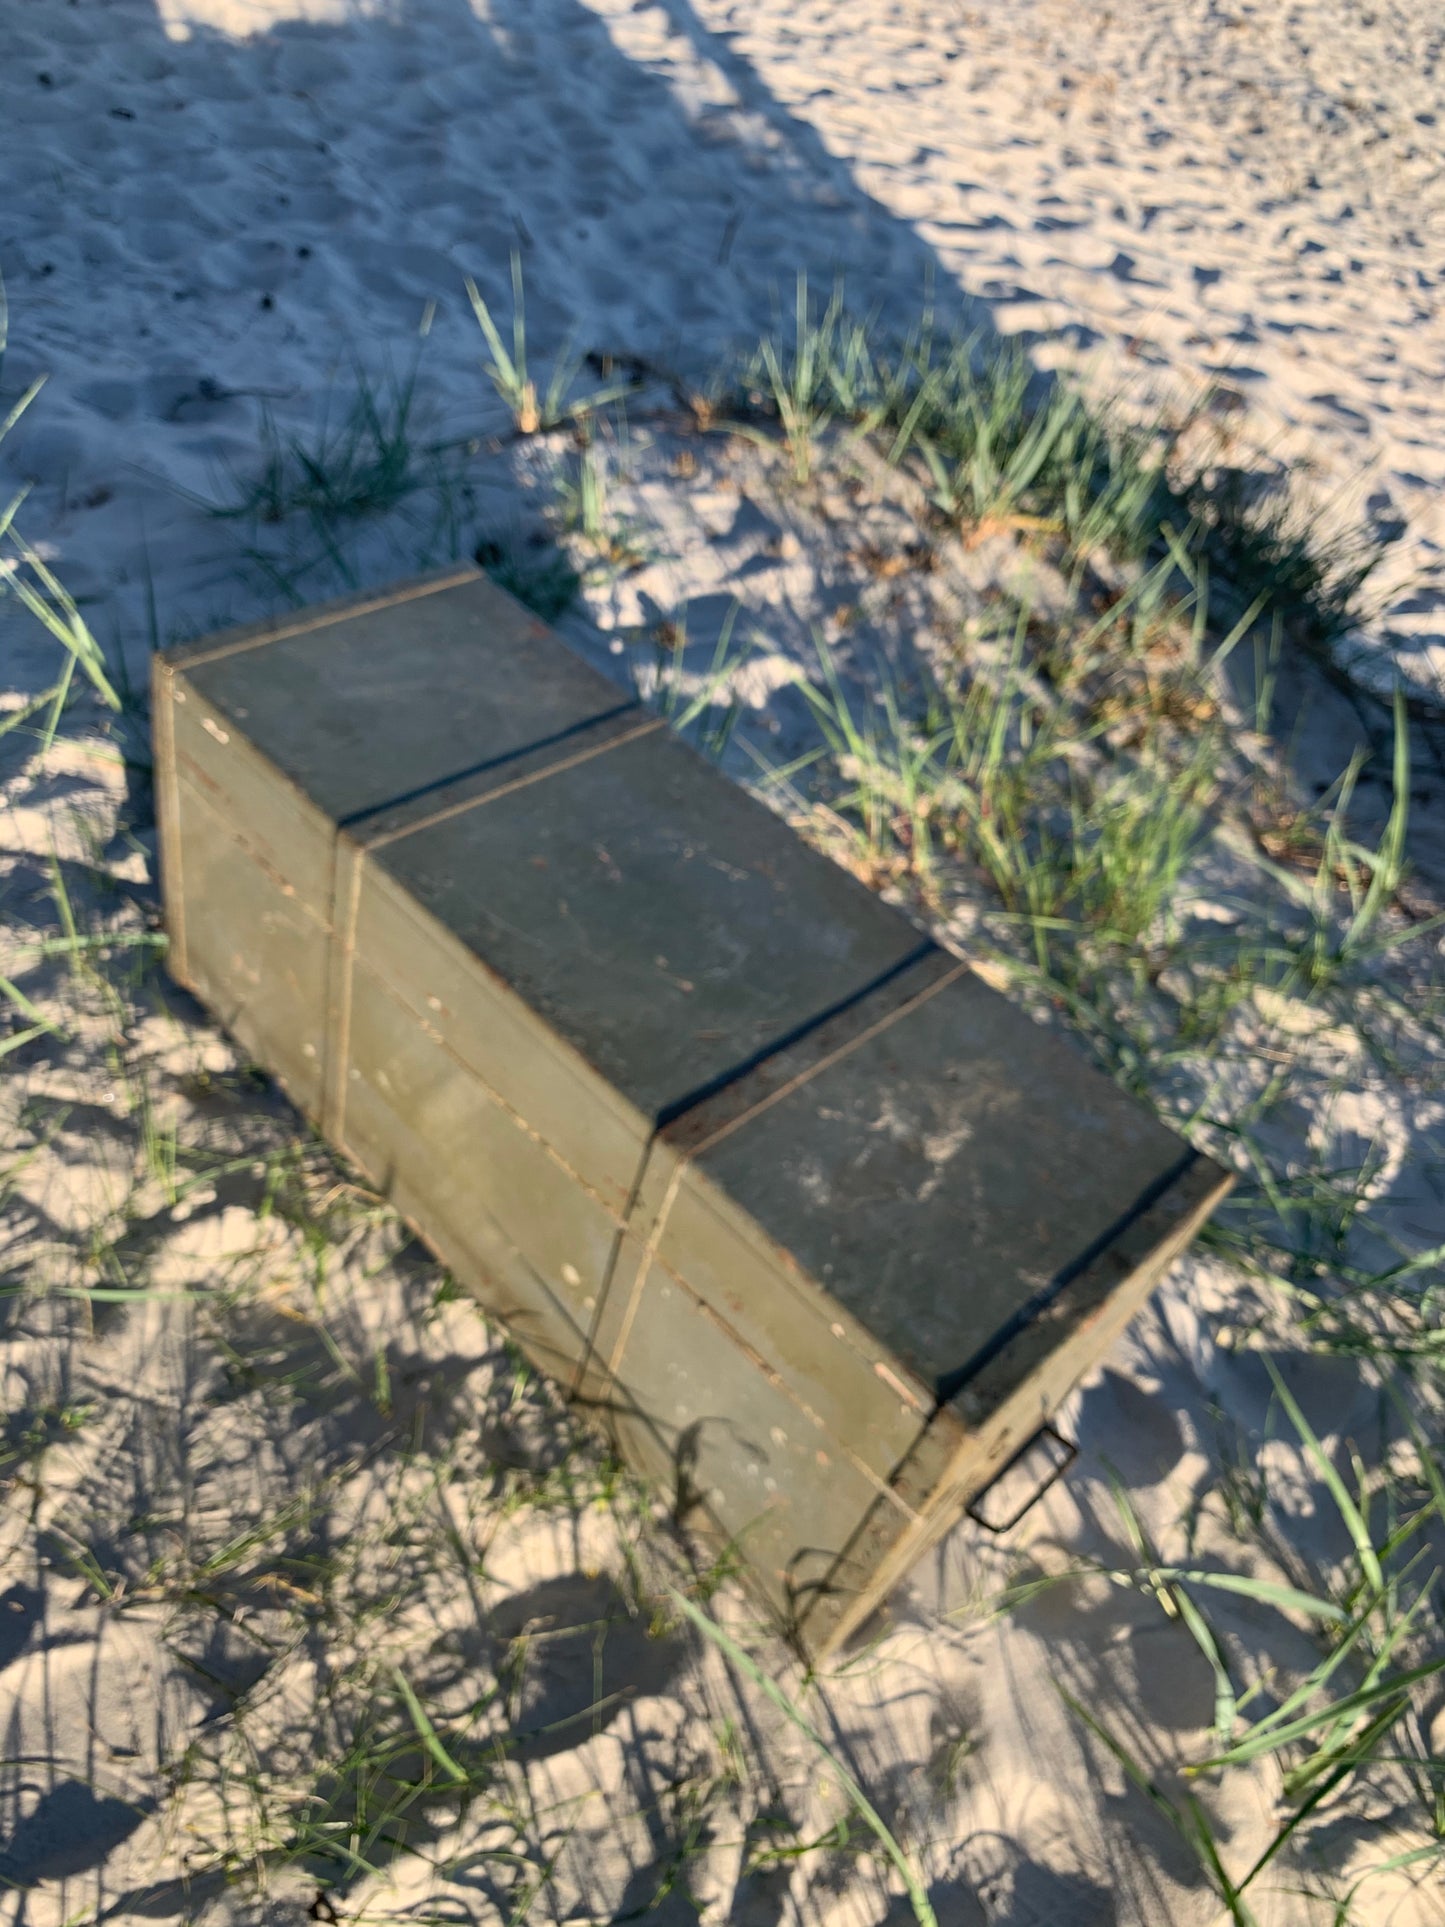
[[214, 210], [1169, 190]]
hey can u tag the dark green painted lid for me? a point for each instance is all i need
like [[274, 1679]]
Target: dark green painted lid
[[370, 707], [941, 1176], [948, 1176], [666, 924]]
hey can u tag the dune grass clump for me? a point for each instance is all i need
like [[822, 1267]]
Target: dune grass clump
[[25, 575], [1329, 1731], [364, 463], [1080, 761], [998, 447], [995, 446]]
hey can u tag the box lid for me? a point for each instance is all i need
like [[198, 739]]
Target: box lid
[[372, 703], [663, 922], [946, 1176]]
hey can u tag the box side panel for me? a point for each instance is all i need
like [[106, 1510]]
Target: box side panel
[[500, 1040], [431, 1134], [693, 1411], [255, 950], [828, 1362], [1011, 1397], [498, 1276]]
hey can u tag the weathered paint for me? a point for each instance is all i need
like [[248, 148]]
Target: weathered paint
[[818, 1225]]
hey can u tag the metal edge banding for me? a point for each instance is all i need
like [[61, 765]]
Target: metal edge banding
[[502, 760], [674, 1112], [845, 1049], [168, 817], [644, 1266], [384, 839], [1017, 1413], [588, 1361], [729, 1099], [326, 618], [612, 1395], [791, 1279]]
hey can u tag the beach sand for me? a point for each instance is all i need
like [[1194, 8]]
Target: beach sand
[[211, 205], [242, 1508]]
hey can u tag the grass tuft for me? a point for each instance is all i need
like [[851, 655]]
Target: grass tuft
[[25, 574], [542, 579], [364, 464], [533, 410]]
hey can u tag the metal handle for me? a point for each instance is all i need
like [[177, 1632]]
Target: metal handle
[[1046, 1430]]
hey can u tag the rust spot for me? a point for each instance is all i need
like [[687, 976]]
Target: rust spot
[[895, 1383]]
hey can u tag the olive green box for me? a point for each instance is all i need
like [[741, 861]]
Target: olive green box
[[816, 1223]]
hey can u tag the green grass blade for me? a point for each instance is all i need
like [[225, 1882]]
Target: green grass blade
[[15, 995], [1355, 1524], [57, 612], [1388, 862], [1287, 1598], [18, 1039], [922, 1907], [1226, 1703], [426, 1732], [1190, 1824], [1306, 1690], [1256, 1742], [10, 420]]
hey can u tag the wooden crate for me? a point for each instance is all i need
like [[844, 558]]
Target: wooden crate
[[818, 1225]]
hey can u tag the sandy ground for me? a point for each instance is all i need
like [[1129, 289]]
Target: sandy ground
[[210, 204], [291, 1488]]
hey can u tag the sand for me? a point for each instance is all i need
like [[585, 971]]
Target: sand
[[261, 211], [237, 1509], [209, 207]]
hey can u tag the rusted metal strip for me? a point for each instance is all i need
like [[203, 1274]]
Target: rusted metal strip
[[328, 618]]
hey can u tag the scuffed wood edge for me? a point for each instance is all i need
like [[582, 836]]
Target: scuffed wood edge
[[1030, 1380], [165, 693]]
